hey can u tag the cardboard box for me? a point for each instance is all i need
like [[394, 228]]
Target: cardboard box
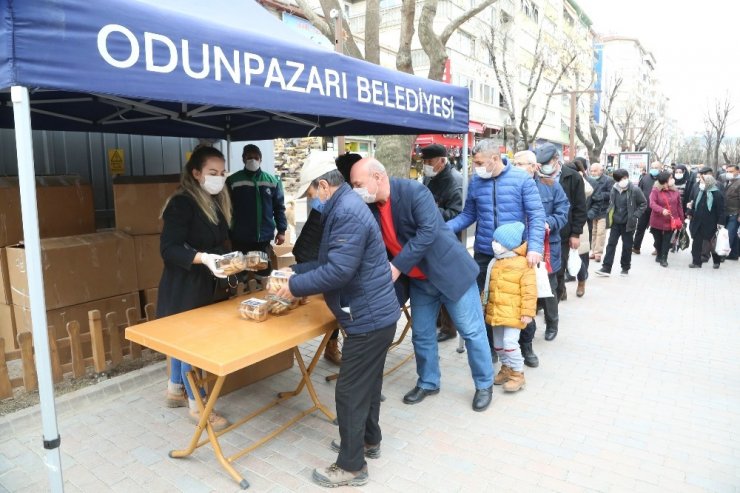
[[254, 373], [60, 316], [65, 207], [282, 261], [77, 269], [149, 262], [7, 328], [5, 297], [138, 202]]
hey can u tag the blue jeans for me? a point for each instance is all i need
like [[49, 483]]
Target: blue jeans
[[732, 227], [178, 375], [467, 315]]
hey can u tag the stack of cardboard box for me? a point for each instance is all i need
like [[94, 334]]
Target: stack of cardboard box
[[65, 207], [138, 203]]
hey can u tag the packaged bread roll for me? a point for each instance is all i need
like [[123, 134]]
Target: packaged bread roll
[[254, 309]]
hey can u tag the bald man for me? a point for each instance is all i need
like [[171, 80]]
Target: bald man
[[425, 254], [599, 207]]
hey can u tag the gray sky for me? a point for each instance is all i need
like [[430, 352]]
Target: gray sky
[[695, 46]]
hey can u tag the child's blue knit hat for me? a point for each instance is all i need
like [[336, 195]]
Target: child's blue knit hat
[[509, 235]]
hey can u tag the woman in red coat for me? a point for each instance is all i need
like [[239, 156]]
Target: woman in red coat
[[666, 215]]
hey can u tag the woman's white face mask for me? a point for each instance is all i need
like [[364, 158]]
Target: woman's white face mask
[[213, 184]]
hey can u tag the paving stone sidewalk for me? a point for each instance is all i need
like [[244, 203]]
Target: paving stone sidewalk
[[639, 392]]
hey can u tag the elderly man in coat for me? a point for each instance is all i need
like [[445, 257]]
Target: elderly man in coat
[[352, 272], [424, 252]]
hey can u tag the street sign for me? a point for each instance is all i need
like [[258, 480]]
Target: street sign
[[115, 161], [632, 162]]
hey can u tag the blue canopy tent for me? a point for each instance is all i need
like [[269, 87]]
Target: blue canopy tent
[[221, 69]]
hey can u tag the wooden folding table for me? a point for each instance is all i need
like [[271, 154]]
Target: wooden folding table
[[217, 340]]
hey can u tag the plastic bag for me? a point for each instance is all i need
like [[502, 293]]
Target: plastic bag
[[722, 248], [574, 262], [543, 283]]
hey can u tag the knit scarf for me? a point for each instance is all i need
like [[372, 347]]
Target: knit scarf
[[486, 286], [710, 196]]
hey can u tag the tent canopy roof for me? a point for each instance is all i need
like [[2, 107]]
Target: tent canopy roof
[[169, 67]]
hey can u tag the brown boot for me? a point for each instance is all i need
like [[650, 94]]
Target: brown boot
[[503, 375], [581, 289], [515, 381], [332, 352]]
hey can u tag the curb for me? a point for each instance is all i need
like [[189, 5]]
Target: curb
[[27, 419]]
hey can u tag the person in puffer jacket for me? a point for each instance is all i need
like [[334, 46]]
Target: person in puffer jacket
[[499, 193], [510, 302], [353, 273]]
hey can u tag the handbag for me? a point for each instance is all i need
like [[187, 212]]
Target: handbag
[[722, 248], [543, 282]]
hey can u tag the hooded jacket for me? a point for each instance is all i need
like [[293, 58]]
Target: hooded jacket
[[636, 205], [664, 197], [512, 291]]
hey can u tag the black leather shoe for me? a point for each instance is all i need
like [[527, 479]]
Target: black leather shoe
[[694, 266], [716, 266], [530, 359], [444, 336], [482, 399], [417, 394], [551, 334]]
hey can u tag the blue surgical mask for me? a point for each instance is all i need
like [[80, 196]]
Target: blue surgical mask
[[654, 173], [317, 204], [547, 169]]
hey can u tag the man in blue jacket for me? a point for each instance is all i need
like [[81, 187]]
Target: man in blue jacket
[[439, 271], [352, 272], [258, 203], [500, 194]]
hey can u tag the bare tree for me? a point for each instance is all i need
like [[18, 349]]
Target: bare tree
[[708, 141], [716, 118], [633, 128], [595, 144], [394, 151], [689, 151], [544, 64], [731, 151]]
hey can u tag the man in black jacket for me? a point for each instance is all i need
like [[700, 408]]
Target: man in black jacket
[[647, 180], [445, 183], [572, 184]]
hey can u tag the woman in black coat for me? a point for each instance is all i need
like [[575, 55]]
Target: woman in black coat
[[707, 213], [196, 228]]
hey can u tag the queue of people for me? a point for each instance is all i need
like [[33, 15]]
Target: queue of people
[[372, 243]]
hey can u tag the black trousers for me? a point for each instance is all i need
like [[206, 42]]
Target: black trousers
[[358, 394], [564, 256], [698, 245], [642, 225], [583, 273], [483, 260], [618, 231], [662, 242]]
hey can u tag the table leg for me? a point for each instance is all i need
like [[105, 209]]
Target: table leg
[[204, 424], [311, 367], [309, 385]]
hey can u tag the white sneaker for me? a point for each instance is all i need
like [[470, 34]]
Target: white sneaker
[[603, 273]]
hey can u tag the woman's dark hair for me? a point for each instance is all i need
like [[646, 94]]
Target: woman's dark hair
[[580, 163], [620, 174], [663, 177]]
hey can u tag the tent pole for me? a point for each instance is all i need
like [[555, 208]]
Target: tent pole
[[464, 170], [228, 152], [27, 183]]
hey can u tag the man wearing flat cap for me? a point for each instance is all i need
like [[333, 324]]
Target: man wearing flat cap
[[548, 159], [353, 273], [445, 183]]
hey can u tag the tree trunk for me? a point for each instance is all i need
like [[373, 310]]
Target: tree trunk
[[372, 31], [394, 151]]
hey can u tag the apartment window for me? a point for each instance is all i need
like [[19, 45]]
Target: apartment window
[[487, 93], [501, 100], [531, 10]]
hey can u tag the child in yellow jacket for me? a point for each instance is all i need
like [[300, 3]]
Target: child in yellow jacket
[[510, 301]]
